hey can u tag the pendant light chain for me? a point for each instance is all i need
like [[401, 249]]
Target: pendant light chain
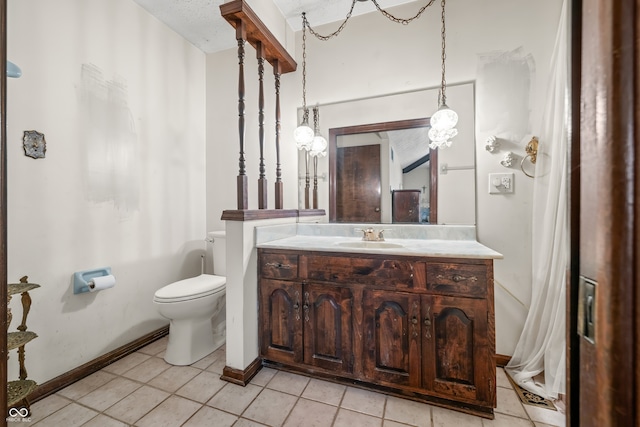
[[403, 21], [443, 88], [305, 110]]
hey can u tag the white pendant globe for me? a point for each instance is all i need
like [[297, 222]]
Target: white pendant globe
[[318, 145], [441, 135], [444, 118], [303, 135]]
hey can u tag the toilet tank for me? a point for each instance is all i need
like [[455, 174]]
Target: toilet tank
[[219, 244]]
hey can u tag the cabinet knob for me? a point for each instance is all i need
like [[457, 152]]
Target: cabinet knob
[[414, 320], [377, 209]]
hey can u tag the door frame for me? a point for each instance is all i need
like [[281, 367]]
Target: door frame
[[334, 133]]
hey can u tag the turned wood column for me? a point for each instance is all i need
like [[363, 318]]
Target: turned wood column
[[262, 181], [242, 185], [278, 188]]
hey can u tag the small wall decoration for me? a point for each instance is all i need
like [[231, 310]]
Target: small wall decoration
[[34, 144]]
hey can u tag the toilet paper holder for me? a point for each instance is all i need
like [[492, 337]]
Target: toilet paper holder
[[82, 280]]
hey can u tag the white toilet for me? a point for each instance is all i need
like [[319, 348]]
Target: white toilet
[[196, 309]]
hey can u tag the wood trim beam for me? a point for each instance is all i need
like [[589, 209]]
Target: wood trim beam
[[252, 215], [238, 11], [422, 160]]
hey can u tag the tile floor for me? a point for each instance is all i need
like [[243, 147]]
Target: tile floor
[[142, 390]]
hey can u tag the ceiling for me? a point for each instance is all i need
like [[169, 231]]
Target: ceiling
[[199, 21]]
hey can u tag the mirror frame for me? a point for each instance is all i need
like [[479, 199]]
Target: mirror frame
[[334, 133]]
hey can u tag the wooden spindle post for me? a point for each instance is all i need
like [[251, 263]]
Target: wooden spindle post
[[306, 179], [262, 181], [279, 187], [242, 186], [315, 182]]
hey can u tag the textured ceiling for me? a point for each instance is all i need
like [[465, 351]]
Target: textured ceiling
[[199, 21]]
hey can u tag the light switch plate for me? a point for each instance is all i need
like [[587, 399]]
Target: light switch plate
[[501, 183]]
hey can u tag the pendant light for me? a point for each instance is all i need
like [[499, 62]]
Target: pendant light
[[319, 143], [444, 121], [303, 134]]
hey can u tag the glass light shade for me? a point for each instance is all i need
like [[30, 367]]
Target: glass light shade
[[444, 118], [13, 70], [303, 135], [318, 145], [438, 135]]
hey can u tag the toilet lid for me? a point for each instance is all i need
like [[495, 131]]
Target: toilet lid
[[194, 287]]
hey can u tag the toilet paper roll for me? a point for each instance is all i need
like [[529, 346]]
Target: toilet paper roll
[[101, 282]]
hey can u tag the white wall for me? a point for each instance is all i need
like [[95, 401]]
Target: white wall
[[120, 99], [363, 63]]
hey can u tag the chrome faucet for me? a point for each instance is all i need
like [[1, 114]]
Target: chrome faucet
[[371, 235]]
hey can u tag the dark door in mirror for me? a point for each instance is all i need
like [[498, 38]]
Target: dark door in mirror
[[405, 206], [358, 183]]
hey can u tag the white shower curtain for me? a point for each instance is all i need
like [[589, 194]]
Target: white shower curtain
[[541, 347]]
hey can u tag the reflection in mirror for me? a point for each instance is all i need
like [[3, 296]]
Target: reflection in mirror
[[382, 173]]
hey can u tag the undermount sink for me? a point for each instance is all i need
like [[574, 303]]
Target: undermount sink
[[372, 245]]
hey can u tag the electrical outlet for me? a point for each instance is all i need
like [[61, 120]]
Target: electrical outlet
[[501, 183]]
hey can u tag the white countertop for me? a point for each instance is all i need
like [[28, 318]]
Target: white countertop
[[411, 247]]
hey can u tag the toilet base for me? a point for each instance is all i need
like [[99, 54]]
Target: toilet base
[[192, 339]]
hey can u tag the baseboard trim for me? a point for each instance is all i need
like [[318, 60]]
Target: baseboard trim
[[240, 376], [68, 378], [502, 360]]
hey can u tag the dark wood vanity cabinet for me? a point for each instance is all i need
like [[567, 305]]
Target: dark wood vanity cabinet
[[418, 327]]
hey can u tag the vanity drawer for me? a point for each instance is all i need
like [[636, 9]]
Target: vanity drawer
[[384, 272], [278, 266], [469, 280]]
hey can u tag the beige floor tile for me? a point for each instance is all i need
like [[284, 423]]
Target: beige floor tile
[[365, 401], [172, 412], [537, 424], [147, 370], [206, 361], [547, 416], [348, 418], [502, 420], [287, 382], [389, 423], [243, 422], [207, 416], [86, 385], [271, 407], [324, 391], [446, 417], [70, 416], [123, 365], [218, 365], [137, 404], [502, 380], [104, 421], [174, 378], [509, 403], [308, 413], [263, 376], [110, 393], [234, 398], [202, 387], [47, 406], [408, 412], [156, 347]]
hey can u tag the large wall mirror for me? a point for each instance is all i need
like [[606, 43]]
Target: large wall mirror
[[448, 176], [365, 160]]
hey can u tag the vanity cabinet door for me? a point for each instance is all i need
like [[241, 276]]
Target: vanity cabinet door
[[392, 328], [457, 351], [327, 327], [280, 306]]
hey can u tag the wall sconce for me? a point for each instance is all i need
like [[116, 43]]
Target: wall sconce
[[491, 144], [507, 160]]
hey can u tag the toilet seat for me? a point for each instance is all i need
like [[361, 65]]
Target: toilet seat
[[192, 288]]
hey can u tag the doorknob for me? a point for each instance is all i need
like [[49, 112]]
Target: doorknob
[[377, 209]]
